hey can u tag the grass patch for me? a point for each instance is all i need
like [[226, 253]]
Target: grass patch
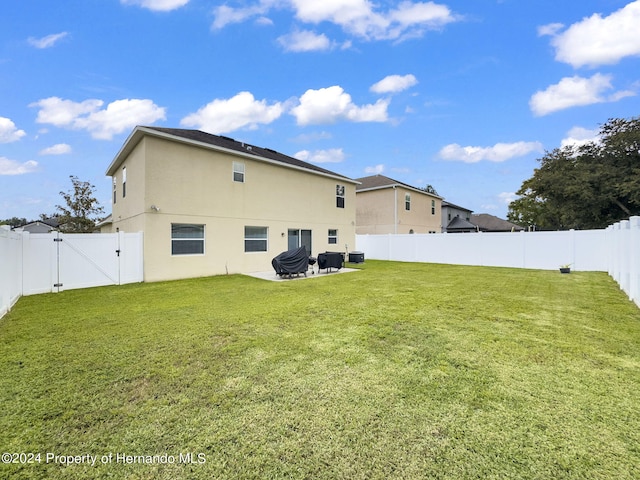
[[397, 371]]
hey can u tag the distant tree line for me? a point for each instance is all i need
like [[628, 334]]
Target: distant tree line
[[587, 186]]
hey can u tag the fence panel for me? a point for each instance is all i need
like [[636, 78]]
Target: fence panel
[[622, 252], [130, 256], [634, 259], [537, 250], [87, 260], [615, 250], [39, 263], [51, 262], [10, 269]]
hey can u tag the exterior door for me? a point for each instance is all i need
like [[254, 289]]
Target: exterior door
[[299, 238]]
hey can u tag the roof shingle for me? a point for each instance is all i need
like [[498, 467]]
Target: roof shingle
[[241, 147], [381, 181]]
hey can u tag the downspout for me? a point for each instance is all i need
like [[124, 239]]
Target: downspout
[[395, 209]]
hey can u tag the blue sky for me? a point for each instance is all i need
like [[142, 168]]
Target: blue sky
[[464, 96]]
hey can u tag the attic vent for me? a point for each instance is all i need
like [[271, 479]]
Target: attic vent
[[270, 150], [249, 148], [227, 138]]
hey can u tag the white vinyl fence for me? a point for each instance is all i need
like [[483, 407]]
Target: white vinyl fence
[[615, 250], [10, 269], [53, 262]]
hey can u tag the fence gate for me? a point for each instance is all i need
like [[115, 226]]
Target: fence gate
[[56, 261], [86, 260]]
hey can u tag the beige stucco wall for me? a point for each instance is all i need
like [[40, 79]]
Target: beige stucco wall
[[375, 212], [195, 185]]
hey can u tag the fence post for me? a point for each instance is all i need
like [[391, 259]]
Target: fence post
[[615, 246], [572, 232], [623, 254], [120, 242], [634, 259], [609, 250]]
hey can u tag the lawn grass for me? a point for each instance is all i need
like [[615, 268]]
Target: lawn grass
[[396, 371]]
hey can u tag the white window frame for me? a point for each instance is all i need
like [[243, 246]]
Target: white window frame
[[407, 201], [188, 239], [332, 239], [238, 172], [264, 238], [340, 200], [124, 182]]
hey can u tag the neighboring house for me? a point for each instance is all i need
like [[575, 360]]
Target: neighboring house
[[105, 225], [384, 205], [209, 204], [40, 226], [455, 219], [491, 223]]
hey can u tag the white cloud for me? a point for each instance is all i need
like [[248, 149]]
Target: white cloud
[[63, 113], [312, 137], [579, 136], [48, 41], [500, 152], [550, 29], [573, 92], [227, 115], [421, 13], [8, 131], [12, 167], [328, 105], [599, 40], [359, 18], [225, 15], [119, 116], [157, 5], [57, 149], [375, 170], [264, 21], [333, 155], [394, 83], [507, 197], [304, 41]]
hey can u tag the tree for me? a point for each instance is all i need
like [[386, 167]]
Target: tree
[[429, 189], [81, 211], [590, 186], [14, 222]]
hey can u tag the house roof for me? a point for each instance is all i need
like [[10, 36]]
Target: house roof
[[219, 143], [49, 222], [452, 205], [108, 220], [491, 223], [458, 224], [377, 182]]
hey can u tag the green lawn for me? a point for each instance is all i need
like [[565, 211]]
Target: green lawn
[[396, 371]]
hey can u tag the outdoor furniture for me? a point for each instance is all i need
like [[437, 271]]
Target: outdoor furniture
[[329, 260], [291, 262], [356, 257]]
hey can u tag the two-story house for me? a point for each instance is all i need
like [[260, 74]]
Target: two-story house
[[384, 205], [209, 204], [456, 219]]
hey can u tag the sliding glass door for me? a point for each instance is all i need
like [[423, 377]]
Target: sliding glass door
[[299, 238]]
